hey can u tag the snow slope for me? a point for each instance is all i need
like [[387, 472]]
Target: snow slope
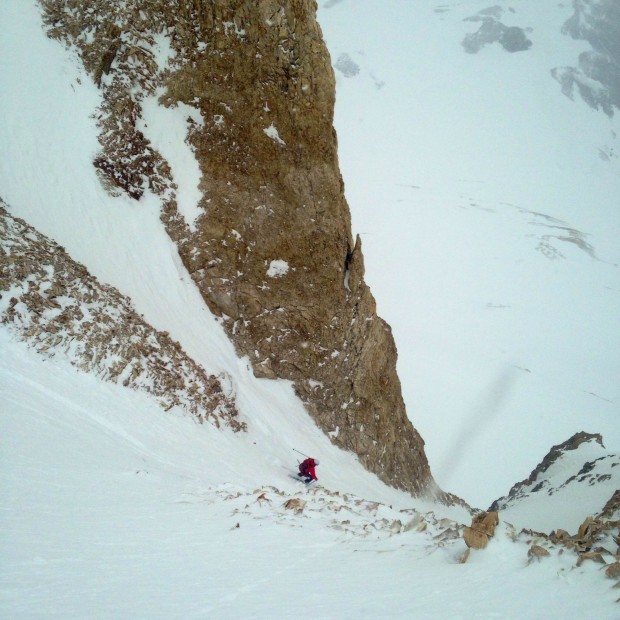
[[115, 509], [488, 205], [112, 508], [562, 484], [495, 338], [47, 177]]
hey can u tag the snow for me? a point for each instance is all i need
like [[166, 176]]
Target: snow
[[272, 133], [112, 507], [119, 509], [575, 480], [163, 53], [166, 129], [277, 268], [476, 187]]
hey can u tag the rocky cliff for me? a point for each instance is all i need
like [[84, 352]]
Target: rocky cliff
[[271, 250]]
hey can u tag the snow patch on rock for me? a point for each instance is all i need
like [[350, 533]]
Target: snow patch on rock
[[277, 268], [272, 132]]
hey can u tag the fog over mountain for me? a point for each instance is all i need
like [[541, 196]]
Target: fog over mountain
[[484, 185]]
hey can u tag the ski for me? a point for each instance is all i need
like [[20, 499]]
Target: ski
[[302, 480]]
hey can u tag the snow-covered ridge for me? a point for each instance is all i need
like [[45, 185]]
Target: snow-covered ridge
[[55, 305], [596, 76], [575, 479]]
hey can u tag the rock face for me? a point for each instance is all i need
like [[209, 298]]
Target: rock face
[[56, 306], [492, 30], [271, 251], [536, 552]]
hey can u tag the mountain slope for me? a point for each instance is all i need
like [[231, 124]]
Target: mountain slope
[[118, 508], [575, 479], [56, 306], [113, 505], [266, 235]]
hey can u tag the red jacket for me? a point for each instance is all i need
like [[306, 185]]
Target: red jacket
[[306, 468]]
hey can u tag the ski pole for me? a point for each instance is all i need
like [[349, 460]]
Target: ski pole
[[298, 452]]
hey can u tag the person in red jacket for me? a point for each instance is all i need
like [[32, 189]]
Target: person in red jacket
[[306, 469]]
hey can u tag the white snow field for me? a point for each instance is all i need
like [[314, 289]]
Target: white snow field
[[112, 508], [488, 204]]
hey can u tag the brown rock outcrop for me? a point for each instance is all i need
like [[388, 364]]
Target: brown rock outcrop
[[611, 510], [475, 539], [613, 570], [594, 542], [295, 503], [482, 528], [536, 552], [272, 252]]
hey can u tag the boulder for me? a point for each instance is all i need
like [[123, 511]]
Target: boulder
[[585, 528], [536, 552], [613, 571], [475, 539], [594, 556], [295, 503], [482, 528], [486, 522]]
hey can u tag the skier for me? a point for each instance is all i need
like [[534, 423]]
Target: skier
[[306, 469]]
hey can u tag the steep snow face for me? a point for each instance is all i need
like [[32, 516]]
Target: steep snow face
[[487, 201], [47, 177], [48, 132], [575, 479], [263, 196]]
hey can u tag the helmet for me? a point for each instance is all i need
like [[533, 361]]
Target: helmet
[[316, 461]]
